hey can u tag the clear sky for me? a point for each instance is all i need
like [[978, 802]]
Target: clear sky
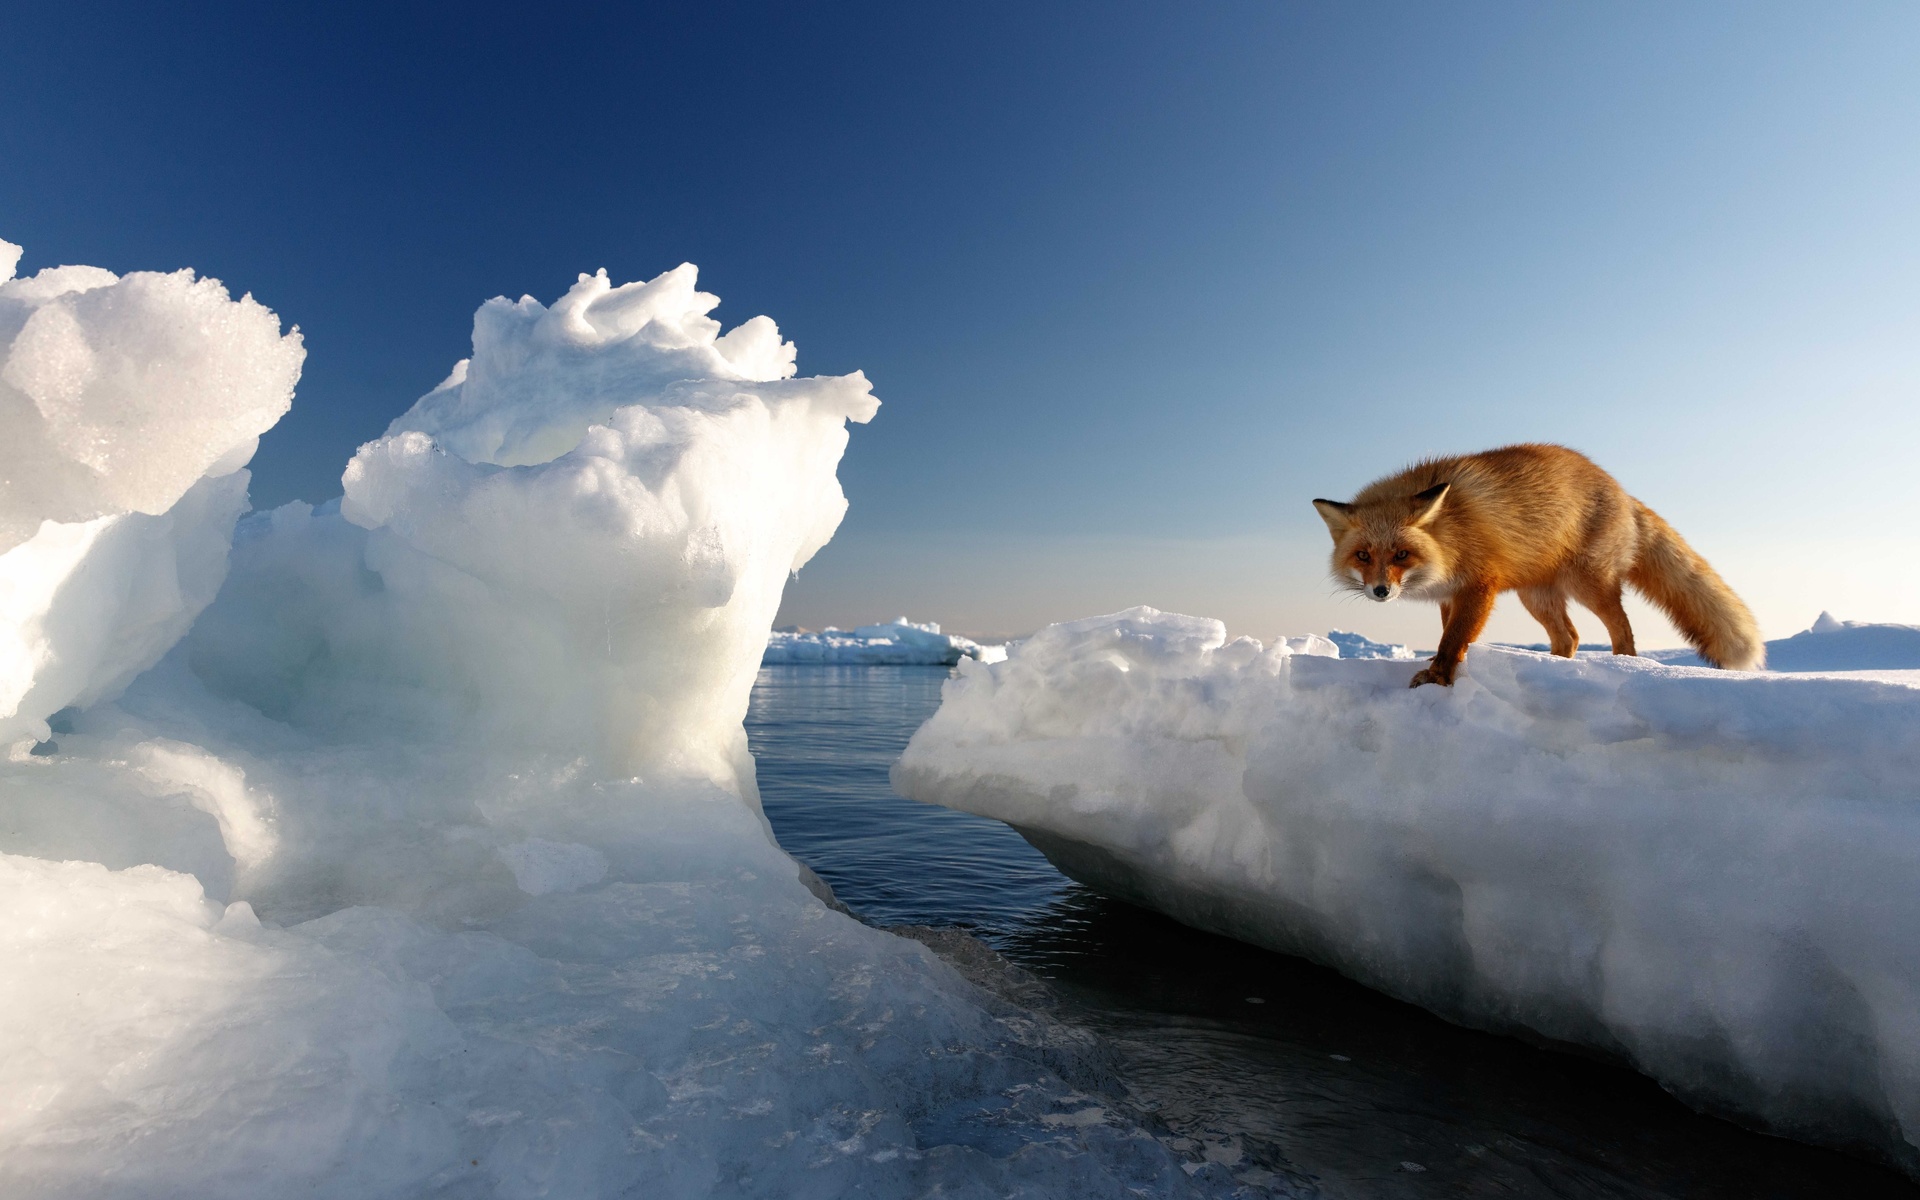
[[1133, 281]]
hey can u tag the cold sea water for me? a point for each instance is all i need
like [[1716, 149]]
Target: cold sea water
[[1298, 1081]]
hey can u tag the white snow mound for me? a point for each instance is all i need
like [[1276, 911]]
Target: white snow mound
[[1833, 645], [899, 642], [430, 861], [539, 376], [1714, 876], [130, 406]]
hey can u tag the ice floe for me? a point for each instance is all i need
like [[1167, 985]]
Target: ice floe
[[1832, 645], [1713, 876], [1354, 645], [899, 642]]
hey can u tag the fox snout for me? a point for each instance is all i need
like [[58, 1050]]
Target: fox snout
[[1384, 591]]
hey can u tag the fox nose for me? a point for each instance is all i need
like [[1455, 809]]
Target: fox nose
[[1380, 590]]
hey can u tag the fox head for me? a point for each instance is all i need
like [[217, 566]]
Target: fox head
[[1382, 548]]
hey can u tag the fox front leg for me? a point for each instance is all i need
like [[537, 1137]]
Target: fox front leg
[[1466, 616]]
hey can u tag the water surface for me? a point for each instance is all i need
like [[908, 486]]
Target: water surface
[[1301, 1081]]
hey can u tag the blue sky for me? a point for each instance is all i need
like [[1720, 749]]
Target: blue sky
[[1134, 282]]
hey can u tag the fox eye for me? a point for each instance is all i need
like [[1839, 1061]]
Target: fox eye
[[1363, 556], [1399, 556]]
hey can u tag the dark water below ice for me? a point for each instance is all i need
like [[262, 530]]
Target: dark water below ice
[[1323, 1088]]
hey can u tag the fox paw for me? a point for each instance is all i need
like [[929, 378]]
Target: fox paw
[[1428, 675]]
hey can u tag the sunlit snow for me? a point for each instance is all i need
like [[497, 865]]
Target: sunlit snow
[[430, 862], [1714, 876]]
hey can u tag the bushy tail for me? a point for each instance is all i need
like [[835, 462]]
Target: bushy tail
[[1698, 602]]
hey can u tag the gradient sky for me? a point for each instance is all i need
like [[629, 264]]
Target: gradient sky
[[1134, 282]]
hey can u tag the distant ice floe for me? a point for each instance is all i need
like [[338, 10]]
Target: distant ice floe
[[1353, 645], [1714, 876], [899, 642], [429, 862], [1831, 645]]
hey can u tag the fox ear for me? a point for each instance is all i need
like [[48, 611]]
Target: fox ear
[[1427, 504], [1338, 516]]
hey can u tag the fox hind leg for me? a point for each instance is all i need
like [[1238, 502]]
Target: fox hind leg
[[1604, 600], [1549, 607]]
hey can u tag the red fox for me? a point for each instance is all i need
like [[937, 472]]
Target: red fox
[[1540, 520]]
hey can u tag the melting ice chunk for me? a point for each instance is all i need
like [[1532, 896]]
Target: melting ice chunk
[[1714, 875]]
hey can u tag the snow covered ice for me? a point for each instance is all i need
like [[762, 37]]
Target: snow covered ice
[[1354, 645], [1713, 876], [131, 406], [1832, 645], [899, 642], [429, 860]]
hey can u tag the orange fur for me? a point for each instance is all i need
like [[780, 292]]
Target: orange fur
[[1542, 521]]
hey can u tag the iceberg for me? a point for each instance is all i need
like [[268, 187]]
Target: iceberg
[[409, 844], [899, 642], [1711, 876]]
